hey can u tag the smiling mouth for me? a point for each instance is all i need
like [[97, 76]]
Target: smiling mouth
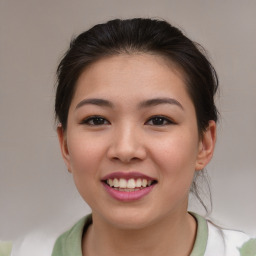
[[129, 185]]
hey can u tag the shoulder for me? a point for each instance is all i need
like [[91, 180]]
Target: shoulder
[[45, 242], [229, 242], [69, 243], [5, 248]]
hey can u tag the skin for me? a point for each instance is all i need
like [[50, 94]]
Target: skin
[[128, 139]]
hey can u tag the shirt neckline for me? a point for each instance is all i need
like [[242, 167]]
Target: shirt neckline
[[70, 243], [200, 244]]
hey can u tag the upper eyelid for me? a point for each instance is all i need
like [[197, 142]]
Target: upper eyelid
[[161, 116], [87, 119], [166, 121]]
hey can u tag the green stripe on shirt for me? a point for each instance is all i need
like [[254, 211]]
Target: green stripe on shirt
[[70, 243]]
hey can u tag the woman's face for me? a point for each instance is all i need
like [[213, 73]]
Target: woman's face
[[132, 141]]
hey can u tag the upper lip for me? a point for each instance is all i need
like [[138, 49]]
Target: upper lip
[[127, 175]]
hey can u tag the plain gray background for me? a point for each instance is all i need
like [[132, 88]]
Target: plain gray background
[[36, 191]]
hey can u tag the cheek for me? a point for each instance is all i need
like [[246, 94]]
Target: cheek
[[85, 165], [178, 150], [176, 157], [85, 154]]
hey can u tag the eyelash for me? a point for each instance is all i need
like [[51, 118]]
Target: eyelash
[[99, 120], [163, 120]]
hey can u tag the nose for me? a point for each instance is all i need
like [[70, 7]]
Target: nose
[[127, 145]]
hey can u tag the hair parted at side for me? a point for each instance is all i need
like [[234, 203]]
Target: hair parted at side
[[133, 36]]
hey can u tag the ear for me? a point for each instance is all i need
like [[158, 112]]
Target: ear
[[206, 146], [63, 146]]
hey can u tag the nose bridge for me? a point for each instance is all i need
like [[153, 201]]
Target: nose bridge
[[127, 142]]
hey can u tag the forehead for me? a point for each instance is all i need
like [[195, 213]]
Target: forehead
[[125, 72]]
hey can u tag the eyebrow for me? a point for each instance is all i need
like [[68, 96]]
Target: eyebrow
[[158, 101], [94, 101], [143, 104]]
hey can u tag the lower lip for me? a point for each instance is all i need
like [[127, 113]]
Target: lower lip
[[128, 196]]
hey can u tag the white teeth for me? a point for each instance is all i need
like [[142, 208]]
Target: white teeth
[[110, 182], [116, 183], [122, 183], [138, 183], [129, 184], [144, 183]]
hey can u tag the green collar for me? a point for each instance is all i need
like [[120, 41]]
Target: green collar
[[201, 236], [69, 243]]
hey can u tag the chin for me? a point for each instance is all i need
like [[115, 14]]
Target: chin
[[130, 219]]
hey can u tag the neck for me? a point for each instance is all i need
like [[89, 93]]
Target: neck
[[173, 235]]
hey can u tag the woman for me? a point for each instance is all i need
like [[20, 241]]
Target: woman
[[137, 121], [137, 125]]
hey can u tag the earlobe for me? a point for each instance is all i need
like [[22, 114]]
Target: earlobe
[[63, 145], [206, 146]]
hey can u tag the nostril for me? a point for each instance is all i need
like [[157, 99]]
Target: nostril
[[125, 159], [126, 150]]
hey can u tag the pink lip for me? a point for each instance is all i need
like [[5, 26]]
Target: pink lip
[[128, 196], [126, 175]]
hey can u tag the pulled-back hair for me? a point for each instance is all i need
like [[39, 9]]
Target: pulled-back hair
[[133, 36]]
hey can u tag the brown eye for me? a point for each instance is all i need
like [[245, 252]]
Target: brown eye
[[95, 121], [159, 121]]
